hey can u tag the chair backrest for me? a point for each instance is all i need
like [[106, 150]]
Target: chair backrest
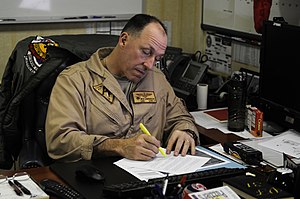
[[33, 109], [25, 90]]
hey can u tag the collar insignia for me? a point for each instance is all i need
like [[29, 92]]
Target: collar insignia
[[143, 97], [104, 92]]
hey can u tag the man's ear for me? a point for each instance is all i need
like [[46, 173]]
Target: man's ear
[[123, 38]]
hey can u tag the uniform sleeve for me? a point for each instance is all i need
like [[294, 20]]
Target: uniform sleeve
[[66, 131], [178, 117]]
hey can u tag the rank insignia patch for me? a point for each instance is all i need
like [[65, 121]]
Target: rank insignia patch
[[104, 92], [144, 97]]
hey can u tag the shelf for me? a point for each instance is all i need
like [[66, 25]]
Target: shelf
[[66, 19]]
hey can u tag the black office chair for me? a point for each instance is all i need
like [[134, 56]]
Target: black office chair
[[24, 94]]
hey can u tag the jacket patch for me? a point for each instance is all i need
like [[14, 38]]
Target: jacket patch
[[37, 53], [144, 97], [104, 92]]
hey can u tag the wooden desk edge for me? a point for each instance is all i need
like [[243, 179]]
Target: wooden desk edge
[[38, 174], [215, 136]]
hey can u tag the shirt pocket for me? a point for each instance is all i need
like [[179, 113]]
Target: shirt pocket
[[102, 119], [153, 117]]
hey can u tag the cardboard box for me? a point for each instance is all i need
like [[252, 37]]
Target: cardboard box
[[257, 123], [254, 121]]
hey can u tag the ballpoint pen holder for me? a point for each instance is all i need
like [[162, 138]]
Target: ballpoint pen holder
[[236, 103]]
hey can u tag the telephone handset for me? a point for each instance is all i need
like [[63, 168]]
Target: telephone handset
[[171, 54]]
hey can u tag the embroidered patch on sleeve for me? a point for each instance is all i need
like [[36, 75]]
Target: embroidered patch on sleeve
[[144, 97]]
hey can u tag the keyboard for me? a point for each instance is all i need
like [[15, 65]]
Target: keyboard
[[142, 188]]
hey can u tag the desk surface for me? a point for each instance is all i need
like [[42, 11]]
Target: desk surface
[[112, 174], [37, 173], [207, 136]]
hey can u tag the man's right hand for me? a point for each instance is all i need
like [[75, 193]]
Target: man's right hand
[[139, 147]]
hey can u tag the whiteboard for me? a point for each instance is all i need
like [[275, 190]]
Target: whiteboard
[[237, 15], [64, 8]]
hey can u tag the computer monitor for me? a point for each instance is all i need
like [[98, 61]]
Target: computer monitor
[[279, 77]]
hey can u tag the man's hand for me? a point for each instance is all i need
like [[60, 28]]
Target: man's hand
[[183, 142], [139, 147]]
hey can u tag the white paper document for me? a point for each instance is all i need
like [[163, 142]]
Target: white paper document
[[159, 166], [288, 143], [141, 174]]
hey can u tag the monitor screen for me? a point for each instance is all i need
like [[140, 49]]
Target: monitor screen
[[191, 71], [279, 77]]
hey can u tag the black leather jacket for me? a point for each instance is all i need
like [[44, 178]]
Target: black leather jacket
[[27, 82]]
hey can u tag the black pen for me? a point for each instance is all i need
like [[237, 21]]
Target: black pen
[[24, 189], [16, 189]]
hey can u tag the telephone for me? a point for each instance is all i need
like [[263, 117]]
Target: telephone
[[183, 71], [171, 54]]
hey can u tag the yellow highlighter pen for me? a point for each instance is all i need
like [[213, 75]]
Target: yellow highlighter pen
[[143, 128]]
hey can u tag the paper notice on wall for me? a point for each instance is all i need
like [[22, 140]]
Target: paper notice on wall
[[218, 50]]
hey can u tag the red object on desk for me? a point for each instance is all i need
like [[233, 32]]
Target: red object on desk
[[220, 115]]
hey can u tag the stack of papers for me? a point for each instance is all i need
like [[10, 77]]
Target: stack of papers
[[161, 166]]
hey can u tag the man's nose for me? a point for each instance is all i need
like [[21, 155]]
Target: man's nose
[[150, 62]]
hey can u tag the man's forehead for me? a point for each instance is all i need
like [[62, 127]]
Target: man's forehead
[[156, 35]]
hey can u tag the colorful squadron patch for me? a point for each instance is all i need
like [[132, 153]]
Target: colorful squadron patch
[[37, 53], [144, 97], [104, 92]]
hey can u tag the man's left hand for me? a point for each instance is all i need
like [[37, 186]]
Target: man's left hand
[[182, 141]]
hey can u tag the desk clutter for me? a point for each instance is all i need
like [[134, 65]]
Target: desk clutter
[[121, 182], [255, 185], [252, 119], [277, 155], [20, 185], [280, 182], [243, 152], [229, 180], [153, 187]]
